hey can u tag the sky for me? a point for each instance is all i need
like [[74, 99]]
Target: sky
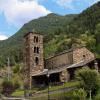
[[15, 13]]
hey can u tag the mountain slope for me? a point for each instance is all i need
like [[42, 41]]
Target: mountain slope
[[60, 33], [86, 28], [46, 26], [88, 19]]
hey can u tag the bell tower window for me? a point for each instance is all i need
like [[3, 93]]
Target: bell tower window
[[36, 60], [35, 39], [36, 49]]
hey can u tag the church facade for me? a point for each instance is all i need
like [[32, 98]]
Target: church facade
[[60, 67]]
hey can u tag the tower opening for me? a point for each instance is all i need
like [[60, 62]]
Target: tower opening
[[36, 60], [35, 49], [35, 39]]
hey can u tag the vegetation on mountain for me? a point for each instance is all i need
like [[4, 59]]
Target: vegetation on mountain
[[60, 33]]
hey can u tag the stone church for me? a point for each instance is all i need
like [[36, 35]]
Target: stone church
[[60, 67]]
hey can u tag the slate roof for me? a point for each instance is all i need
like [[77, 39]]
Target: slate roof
[[64, 52], [57, 70]]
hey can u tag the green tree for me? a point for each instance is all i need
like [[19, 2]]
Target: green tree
[[16, 68], [97, 33], [97, 97], [9, 86], [80, 94], [89, 80]]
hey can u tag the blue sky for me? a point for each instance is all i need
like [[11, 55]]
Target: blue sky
[[15, 13]]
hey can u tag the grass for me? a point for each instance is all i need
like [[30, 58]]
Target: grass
[[18, 93], [51, 88], [68, 84], [58, 96]]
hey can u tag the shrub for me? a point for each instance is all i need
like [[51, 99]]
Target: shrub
[[89, 80], [97, 97], [80, 94], [16, 68], [8, 87]]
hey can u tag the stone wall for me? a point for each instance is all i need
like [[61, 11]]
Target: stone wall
[[33, 56], [27, 61], [82, 54], [64, 76], [36, 68], [59, 60]]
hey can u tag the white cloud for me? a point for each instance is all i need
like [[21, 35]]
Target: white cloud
[[3, 37], [65, 3], [70, 4], [18, 12]]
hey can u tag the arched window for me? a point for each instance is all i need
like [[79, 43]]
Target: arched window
[[36, 60], [35, 39], [35, 49]]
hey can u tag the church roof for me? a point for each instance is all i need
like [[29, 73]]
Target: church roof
[[57, 70], [31, 32], [64, 52]]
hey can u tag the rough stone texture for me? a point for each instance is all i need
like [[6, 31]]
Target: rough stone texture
[[36, 68], [26, 61], [30, 65], [59, 60], [82, 54], [64, 76], [34, 59]]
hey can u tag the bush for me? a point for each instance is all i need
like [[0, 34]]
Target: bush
[[97, 97], [16, 68], [8, 87], [80, 94], [89, 80]]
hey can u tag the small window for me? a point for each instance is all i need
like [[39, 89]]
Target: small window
[[84, 56], [36, 60], [35, 49], [35, 39]]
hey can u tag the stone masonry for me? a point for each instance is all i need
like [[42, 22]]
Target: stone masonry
[[33, 56], [81, 54], [34, 62]]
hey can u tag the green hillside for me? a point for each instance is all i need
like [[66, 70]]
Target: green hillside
[[85, 28], [60, 33], [46, 26]]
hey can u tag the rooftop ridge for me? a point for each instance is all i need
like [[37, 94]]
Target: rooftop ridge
[[31, 32], [65, 51]]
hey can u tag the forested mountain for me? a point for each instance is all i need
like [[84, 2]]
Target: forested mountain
[[85, 28], [60, 33]]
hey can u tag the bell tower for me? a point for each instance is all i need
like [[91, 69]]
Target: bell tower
[[33, 56]]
